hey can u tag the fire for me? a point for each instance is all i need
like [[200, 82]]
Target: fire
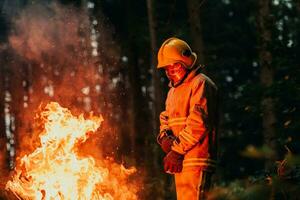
[[56, 171]]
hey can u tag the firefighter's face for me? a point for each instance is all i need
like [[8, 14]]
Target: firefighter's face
[[176, 72]]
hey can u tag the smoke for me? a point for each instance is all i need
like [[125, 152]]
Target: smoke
[[52, 34], [62, 53]]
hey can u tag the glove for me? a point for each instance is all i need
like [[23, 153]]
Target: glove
[[167, 142], [165, 139], [173, 162]]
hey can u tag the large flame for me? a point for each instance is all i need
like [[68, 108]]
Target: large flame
[[56, 171]]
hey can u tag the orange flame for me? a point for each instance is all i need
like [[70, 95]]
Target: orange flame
[[56, 171]]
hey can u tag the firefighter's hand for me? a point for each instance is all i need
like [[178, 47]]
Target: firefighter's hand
[[173, 162], [167, 142]]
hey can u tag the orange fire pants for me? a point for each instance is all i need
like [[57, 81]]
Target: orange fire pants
[[192, 184]]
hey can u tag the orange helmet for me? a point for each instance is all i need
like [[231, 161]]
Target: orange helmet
[[174, 50]]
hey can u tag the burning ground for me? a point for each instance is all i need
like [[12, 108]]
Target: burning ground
[[56, 171]]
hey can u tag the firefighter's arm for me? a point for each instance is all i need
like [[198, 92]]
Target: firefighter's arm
[[196, 123], [164, 127]]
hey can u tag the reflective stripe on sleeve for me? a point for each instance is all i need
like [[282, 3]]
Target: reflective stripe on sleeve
[[164, 127], [200, 162], [188, 137], [177, 124], [177, 121]]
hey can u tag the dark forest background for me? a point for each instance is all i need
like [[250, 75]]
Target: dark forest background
[[100, 56]]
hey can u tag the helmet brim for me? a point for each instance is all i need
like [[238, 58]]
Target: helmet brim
[[169, 61]]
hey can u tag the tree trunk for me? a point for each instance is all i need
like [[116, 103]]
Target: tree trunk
[[298, 32], [193, 7], [8, 107], [136, 123], [158, 105], [266, 77], [298, 8], [156, 83], [4, 154]]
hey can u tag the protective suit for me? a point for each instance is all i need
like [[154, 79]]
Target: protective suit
[[191, 116]]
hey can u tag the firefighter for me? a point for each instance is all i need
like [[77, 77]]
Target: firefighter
[[188, 125]]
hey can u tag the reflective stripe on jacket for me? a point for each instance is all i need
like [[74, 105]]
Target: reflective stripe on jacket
[[191, 113]]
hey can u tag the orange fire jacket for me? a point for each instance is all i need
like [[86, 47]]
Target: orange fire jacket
[[191, 113]]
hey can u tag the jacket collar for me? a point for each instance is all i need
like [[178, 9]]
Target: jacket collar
[[190, 75]]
